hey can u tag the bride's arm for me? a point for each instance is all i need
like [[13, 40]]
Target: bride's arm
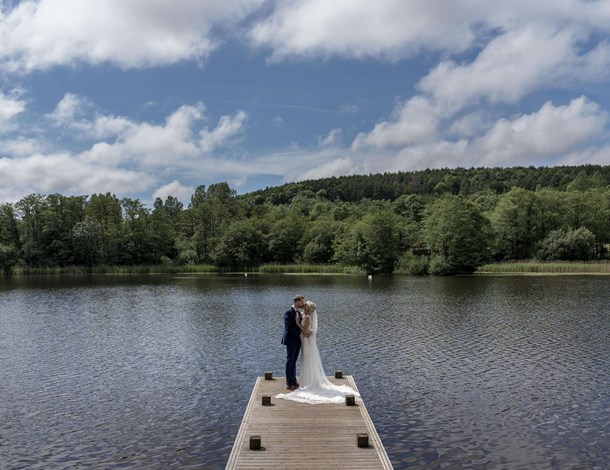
[[299, 324], [306, 326]]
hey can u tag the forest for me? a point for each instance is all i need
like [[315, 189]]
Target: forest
[[435, 221]]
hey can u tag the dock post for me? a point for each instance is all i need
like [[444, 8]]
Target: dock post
[[362, 439], [255, 443], [338, 374], [266, 400], [350, 400], [268, 375]]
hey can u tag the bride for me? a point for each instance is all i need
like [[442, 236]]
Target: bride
[[314, 387]]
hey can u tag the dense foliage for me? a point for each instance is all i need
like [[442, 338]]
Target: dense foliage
[[433, 221]]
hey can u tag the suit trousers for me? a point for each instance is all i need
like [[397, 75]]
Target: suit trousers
[[292, 354]]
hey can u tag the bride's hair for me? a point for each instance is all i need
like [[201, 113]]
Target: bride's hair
[[310, 306]]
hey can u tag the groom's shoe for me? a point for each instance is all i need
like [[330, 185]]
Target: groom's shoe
[[298, 385], [292, 388]]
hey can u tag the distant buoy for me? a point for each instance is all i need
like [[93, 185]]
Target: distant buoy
[[246, 274], [370, 276]]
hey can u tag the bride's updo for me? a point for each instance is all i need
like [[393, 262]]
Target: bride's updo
[[310, 306]]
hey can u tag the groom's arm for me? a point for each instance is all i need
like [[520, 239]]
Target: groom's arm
[[291, 323]]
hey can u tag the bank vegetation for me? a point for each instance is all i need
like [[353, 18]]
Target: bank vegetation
[[445, 221]]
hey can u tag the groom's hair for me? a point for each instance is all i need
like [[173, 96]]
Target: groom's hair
[[297, 297]]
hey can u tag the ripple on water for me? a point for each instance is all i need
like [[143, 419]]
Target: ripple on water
[[155, 372]]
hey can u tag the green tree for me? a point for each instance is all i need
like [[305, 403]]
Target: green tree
[[241, 246], [87, 241], [582, 182], [214, 210], [9, 226], [320, 240], [59, 215], [568, 245], [8, 257], [29, 209], [284, 238], [410, 206], [106, 211], [457, 233], [162, 236], [137, 238], [516, 221], [173, 207], [199, 196], [374, 243]]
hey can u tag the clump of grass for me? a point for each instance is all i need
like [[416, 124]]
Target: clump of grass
[[301, 269], [138, 269], [548, 267]]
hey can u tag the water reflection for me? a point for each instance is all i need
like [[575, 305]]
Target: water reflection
[[156, 371]]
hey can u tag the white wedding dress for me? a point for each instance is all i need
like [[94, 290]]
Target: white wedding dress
[[315, 388]]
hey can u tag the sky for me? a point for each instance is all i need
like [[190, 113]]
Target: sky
[[150, 98]]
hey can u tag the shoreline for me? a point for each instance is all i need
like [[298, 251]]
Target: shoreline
[[531, 268]]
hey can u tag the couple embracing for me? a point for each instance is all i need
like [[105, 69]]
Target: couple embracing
[[300, 333]]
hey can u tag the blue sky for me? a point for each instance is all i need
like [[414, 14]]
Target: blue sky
[[147, 98]]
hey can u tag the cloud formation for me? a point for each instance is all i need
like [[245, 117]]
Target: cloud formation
[[395, 29], [502, 85], [119, 154], [129, 33], [390, 29], [175, 189], [10, 106]]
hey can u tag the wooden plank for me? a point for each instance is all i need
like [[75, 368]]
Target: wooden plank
[[298, 435]]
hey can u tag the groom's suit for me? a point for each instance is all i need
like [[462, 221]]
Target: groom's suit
[[292, 341]]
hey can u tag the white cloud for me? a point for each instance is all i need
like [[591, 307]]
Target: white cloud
[[133, 157], [550, 135], [509, 67], [176, 189], [129, 33], [145, 144], [524, 47], [440, 154], [591, 155], [334, 137], [469, 125], [10, 106], [550, 132], [20, 147], [547, 135], [360, 28], [108, 126], [338, 166], [174, 143], [414, 121], [63, 173], [228, 127], [155, 145], [395, 29], [67, 110]]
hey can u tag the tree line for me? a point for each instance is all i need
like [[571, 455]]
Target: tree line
[[433, 221]]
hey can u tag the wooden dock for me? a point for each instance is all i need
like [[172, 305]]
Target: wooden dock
[[301, 436]]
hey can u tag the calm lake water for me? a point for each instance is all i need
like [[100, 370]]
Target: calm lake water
[[156, 371]]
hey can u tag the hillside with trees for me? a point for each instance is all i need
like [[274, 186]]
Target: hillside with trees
[[443, 221]]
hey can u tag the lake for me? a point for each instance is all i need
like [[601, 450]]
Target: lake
[[486, 372]]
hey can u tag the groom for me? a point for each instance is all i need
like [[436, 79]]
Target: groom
[[292, 341]]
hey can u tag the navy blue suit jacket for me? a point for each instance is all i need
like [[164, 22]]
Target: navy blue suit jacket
[[292, 333]]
